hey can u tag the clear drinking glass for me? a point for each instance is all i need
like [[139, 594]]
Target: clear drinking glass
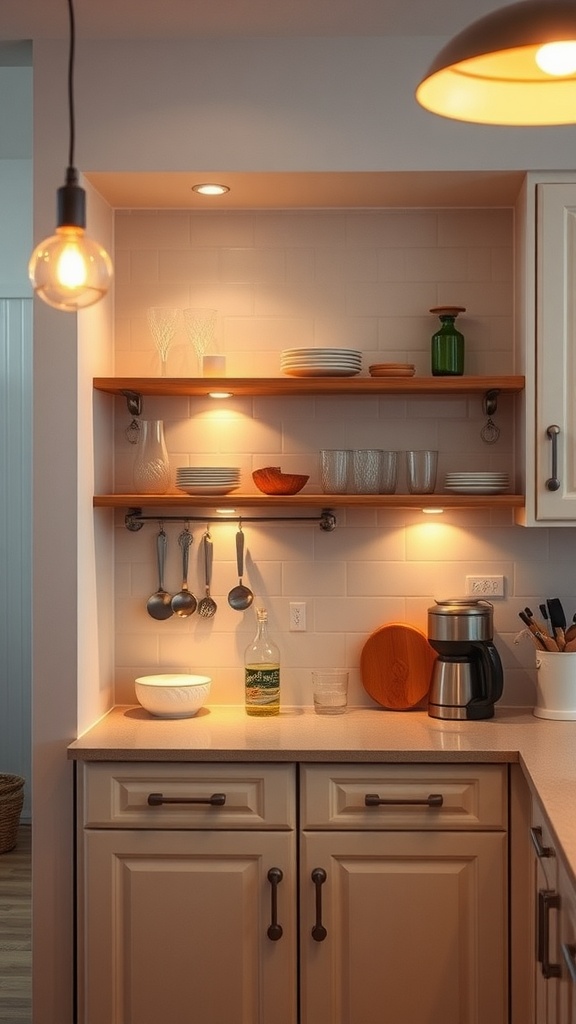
[[163, 322], [364, 471], [200, 327], [334, 470], [330, 690], [421, 469], [388, 472]]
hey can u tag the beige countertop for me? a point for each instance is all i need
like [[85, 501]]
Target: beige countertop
[[545, 749]]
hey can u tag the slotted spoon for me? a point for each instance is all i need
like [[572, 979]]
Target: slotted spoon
[[207, 605]]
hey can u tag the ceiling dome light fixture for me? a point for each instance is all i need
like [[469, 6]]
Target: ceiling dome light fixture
[[210, 189], [69, 270], [515, 66]]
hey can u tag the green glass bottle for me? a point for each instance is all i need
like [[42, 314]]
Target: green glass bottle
[[447, 343]]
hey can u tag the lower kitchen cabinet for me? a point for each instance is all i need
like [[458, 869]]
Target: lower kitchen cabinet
[[415, 928], [567, 943], [176, 928], [408, 869], [546, 904], [191, 878]]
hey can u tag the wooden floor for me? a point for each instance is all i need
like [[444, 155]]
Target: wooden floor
[[15, 938]]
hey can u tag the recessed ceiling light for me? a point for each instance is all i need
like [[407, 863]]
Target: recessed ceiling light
[[210, 189]]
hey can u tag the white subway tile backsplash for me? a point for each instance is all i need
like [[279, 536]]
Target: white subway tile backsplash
[[359, 279]]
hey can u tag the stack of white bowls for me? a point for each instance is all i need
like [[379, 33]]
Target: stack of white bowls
[[477, 483], [321, 362], [207, 479]]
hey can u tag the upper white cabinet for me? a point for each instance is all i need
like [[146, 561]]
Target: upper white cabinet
[[547, 329]]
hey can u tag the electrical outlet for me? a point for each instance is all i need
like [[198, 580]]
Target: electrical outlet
[[297, 616], [485, 586]]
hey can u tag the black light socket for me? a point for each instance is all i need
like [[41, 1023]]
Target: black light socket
[[71, 202]]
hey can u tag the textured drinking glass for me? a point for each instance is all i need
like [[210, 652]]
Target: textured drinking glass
[[334, 470], [201, 328], [330, 691], [364, 470], [388, 472], [421, 471]]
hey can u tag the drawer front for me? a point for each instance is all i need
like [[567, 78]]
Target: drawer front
[[467, 796], [208, 796]]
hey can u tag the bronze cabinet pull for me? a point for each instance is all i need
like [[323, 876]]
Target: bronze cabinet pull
[[275, 876], [536, 837], [553, 483], [433, 800], [319, 932], [216, 800], [547, 900]]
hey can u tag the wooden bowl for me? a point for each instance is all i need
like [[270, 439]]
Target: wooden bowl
[[270, 480]]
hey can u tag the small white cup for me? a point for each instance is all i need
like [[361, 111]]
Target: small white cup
[[213, 366], [330, 690]]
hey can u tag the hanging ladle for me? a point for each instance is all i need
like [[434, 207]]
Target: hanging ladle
[[207, 605], [184, 603], [159, 604], [240, 597]]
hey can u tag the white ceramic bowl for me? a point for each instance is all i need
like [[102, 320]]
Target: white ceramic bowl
[[173, 695]]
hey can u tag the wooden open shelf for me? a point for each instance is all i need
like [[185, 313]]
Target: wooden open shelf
[[298, 386], [287, 386], [304, 501]]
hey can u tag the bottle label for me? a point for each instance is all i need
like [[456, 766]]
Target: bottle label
[[262, 685]]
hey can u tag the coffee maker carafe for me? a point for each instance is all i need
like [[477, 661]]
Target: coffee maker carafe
[[467, 677]]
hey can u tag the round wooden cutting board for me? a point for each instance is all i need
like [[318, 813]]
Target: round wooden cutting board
[[396, 666]]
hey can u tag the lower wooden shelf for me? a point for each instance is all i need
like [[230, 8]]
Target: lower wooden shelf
[[304, 501]]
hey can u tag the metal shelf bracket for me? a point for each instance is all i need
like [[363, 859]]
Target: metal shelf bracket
[[134, 402], [490, 402]]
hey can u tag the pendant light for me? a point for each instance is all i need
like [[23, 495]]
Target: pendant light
[[515, 66], [69, 270]]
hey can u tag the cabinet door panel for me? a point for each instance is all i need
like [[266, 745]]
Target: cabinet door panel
[[566, 1010], [175, 929], [416, 929], [556, 349]]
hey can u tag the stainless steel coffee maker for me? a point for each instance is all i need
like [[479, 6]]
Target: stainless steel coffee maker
[[467, 677]]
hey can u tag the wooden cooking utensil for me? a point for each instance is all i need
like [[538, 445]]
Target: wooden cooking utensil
[[396, 666]]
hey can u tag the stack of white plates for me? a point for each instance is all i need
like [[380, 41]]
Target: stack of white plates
[[321, 362], [477, 483], [207, 479]]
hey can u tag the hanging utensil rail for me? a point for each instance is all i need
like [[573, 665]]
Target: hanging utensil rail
[[134, 520]]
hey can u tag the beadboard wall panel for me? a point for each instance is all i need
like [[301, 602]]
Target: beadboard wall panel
[[15, 537]]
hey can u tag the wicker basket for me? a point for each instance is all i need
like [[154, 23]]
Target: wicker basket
[[11, 800]]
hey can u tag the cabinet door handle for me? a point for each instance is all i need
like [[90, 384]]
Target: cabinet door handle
[[547, 900], [216, 800], [275, 876], [319, 932], [553, 483], [569, 954], [433, 800], [536, 837]]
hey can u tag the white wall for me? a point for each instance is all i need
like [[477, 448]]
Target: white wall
[[364, 279]]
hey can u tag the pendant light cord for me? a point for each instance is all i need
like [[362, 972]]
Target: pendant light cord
[[71, 117]]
